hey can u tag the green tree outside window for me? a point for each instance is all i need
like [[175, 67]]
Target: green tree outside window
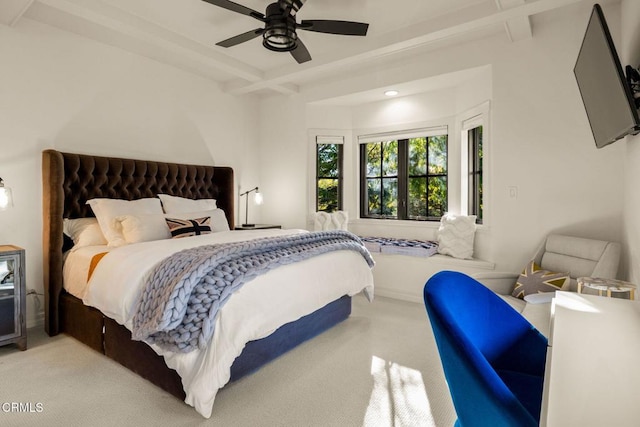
[[328, 177], [405, 179]]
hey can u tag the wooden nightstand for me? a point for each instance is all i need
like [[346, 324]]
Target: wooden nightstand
[[12, 297], [257, 227]]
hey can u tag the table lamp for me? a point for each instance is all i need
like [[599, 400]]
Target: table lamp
[[257, 198]]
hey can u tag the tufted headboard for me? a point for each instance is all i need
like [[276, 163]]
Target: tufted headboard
[[69, 180]]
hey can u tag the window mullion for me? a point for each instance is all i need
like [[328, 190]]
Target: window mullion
[[340, 175], [429, 176], [381, 178], [403, 178], [364, 197]]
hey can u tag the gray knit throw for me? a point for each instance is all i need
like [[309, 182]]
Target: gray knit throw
[[184, 292]]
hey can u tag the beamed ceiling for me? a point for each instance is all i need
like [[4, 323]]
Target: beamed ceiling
[[184, 33]]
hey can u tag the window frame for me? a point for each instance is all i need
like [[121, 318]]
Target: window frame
[[475, 166], [364, 178], [340, 144], [403, 138], [339, 136], [470, 119]]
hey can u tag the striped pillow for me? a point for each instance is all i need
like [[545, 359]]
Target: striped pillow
[[188, 227]]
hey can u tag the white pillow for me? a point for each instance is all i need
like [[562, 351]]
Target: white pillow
[[83, 232], [218, 218], [174, 204], [143, 227], [106, 210], [456, 235]]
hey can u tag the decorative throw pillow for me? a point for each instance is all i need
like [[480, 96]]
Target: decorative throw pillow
[[188, 227], [456, 235], [534, 280], [218, 218]]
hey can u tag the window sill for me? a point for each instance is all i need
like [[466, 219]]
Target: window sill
[[393, 223], [440, 259]]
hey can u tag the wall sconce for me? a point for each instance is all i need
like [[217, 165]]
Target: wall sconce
[[257, 198], [6, 200]]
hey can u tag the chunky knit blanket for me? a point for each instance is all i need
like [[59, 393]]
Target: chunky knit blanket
[[183, 294]]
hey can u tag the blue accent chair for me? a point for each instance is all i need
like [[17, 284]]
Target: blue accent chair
[[493, 358]]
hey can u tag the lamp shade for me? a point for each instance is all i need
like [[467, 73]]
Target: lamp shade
[[258, 198], [6, 199]]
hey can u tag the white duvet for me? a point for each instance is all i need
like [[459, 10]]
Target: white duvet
[[261, 306]]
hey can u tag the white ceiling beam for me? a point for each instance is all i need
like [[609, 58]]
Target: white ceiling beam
[[236, 86], [155, 41], [12, 10], [286, 74], [517, 28], [113, 26]]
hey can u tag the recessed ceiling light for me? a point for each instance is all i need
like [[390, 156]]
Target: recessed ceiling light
[[391, 92]]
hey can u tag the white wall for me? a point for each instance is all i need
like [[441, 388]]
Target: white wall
[[542, 144], [283, 161], [59, 90], [541, 141]]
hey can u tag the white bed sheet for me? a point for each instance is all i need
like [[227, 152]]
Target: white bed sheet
[[75, 271], [261, 306]]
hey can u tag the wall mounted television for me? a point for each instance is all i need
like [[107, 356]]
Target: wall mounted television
[[606, 93]]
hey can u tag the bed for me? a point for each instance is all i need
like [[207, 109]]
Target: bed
[[69, 181]]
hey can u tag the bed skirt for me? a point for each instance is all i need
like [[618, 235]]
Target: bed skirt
[[106, 336]]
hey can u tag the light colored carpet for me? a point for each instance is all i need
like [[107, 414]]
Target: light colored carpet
[[378, 368]]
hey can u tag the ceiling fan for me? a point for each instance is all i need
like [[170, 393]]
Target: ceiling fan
[[279, 32]]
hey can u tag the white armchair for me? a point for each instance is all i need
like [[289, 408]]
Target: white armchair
[[574, 255]]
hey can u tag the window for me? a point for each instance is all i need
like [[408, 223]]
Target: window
[[475, 163], [380, 160], [475, 154], [329, 154], [404, 178]]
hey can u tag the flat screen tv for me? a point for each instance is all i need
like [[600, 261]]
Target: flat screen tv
[[605, 91]]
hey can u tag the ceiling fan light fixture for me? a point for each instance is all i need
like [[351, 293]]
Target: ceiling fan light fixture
[[280, 37], [279, 32]]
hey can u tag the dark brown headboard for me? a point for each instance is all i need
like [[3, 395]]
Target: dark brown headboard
[[69, 180]]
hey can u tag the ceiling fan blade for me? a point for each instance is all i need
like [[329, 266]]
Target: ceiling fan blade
[[292, 6], [346, 28], [235, 7], [241, 38], [300, 53]]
